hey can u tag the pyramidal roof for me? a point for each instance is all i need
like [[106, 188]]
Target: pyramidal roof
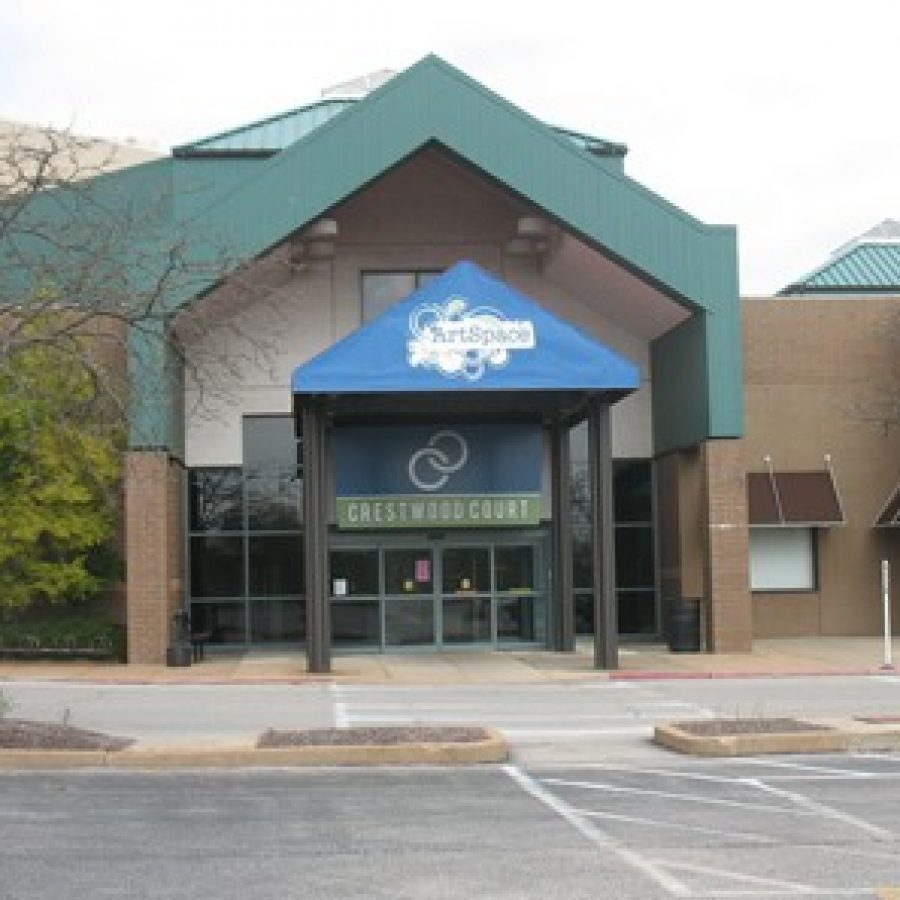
[[869, 263], [465, 331]]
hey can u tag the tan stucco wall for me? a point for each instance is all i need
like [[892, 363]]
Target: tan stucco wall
[[426, 214], [817, 371]]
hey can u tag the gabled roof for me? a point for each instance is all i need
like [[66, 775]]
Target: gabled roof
[[465, 331], [273, 134], [867, 264], [432, 103]]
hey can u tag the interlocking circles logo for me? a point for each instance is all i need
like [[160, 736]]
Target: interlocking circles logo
[[464, 343], [431, 466]]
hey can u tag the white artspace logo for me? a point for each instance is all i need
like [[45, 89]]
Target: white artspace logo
[[431, 466], [463, 343]]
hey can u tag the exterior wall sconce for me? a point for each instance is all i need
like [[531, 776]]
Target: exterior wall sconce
[[318, 241]]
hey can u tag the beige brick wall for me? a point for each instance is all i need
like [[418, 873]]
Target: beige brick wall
[[818, 373], [154, 549], [703, 538], [726, 578]]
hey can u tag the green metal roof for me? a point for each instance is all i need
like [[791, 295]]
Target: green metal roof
[[248, 211], [868, 264], [269, 135], [275, 133], [595, 145]]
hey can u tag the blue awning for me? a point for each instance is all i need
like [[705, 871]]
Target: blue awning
[[465, 331]]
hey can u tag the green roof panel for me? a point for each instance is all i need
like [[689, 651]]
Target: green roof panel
[[868, 264], [269, 135]]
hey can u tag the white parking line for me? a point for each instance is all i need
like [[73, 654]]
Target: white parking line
[[644, 770], [677, 826], [804, 767], [762, 887], [341, 719], [587, 829], [820, 809], [526, 733], [690, 798]]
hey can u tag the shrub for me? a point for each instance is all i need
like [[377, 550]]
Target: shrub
[[65, 632]]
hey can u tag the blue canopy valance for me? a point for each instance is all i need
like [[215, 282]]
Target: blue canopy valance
[[465, 331]]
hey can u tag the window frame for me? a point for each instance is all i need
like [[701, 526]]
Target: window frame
[[812, 534]]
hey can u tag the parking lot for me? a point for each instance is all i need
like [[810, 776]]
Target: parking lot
[[780, 827]]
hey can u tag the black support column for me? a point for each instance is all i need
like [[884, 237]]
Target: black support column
[[315, 544], [563, 637], [606, 637]]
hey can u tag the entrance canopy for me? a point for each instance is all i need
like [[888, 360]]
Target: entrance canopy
[[475, 340]]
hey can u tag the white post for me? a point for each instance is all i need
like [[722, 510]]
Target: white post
[[886, 596]]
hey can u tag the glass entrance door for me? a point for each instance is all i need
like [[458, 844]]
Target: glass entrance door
[[409, 604], [474, 590], [466, 593]]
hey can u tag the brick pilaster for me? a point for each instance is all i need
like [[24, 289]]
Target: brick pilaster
[[726, 578], [153, 546]]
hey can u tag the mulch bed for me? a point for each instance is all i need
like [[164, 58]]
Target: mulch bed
[[19, 734], [322, 737], [724, 727]]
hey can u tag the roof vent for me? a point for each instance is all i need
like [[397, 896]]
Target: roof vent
[[358, 87]]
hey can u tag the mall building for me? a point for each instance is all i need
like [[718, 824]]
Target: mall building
[[473, 386]]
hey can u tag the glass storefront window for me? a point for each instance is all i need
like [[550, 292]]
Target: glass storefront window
[[634, 544], [276, 565], [217, 566], [408, 620], [274, 499], [408, 572], [355, 570], [278, 619], [466, 620], [633, 491], [356, 622], [224, 623], [634, 557], [466, 569], [216, 499], [637, 612], [246, 541], [514, 568]]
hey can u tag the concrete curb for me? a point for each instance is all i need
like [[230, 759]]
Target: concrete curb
[[843, 735], [493, 749], [647, 675]]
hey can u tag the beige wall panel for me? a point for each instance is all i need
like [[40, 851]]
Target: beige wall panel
[[785, 615], [819, 374], [427, 214]]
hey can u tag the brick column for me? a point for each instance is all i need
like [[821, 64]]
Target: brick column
[[726, 578], [153, 550]]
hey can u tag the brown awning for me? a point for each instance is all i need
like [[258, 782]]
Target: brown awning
[[793, 498], [889, 517]]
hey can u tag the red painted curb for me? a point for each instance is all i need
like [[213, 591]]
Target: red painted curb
[[621, 675]]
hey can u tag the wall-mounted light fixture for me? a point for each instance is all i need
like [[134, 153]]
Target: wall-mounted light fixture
[[316, 241]]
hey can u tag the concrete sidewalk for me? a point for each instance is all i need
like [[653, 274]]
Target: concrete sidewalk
[[772, 657]]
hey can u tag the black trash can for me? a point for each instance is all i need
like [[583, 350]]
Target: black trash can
[[179, 655], [685, 625], [180, 651]]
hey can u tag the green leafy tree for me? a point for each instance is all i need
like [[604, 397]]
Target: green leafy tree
[[59, 471]]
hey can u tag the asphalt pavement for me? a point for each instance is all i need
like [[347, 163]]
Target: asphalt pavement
[[787, 827], [545, 723]]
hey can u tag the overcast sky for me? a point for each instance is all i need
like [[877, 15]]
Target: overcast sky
[[780, 117]]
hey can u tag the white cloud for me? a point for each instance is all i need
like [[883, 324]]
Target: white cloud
[[779, 117]]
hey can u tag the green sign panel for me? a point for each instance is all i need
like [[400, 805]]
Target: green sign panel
[[442, 511]]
